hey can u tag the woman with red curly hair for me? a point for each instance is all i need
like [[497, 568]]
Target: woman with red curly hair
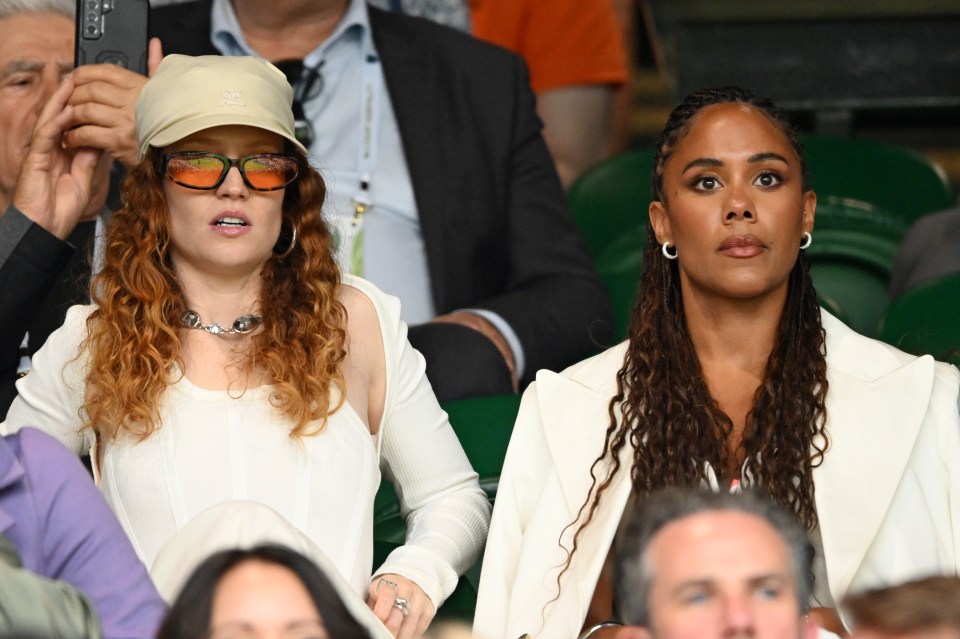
[[225, 359]]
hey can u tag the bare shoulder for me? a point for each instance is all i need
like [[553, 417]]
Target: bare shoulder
[[364, 340], [364, 368], [361, 311]]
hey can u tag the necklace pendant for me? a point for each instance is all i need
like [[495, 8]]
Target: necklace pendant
[[191, 319], [246, 323], [241, 326]]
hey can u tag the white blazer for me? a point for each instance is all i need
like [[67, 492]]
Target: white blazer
[[887, 492]]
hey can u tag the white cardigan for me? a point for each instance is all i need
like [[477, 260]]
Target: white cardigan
[[887, 492]]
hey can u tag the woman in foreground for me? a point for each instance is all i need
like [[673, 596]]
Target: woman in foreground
[[267, 591], [224, 358], [731, 375]]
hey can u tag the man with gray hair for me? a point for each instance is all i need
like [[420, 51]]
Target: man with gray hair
[[44, 254], [693, 563]]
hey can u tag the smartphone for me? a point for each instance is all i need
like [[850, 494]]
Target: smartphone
[[113, 31]]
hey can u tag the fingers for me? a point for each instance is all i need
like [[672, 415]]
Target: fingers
[[109, 74], [104, 128], [154, 55], [401, 605], [382, 593], [104, 101], [85, 163], [53, 119], [45, 191]]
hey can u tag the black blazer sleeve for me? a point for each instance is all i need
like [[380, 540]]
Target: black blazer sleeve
[[498, 233], [26, 276]]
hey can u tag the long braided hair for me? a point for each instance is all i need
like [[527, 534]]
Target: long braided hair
[[663, 408]]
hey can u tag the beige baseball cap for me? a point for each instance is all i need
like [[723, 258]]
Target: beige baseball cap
[[188, 94]]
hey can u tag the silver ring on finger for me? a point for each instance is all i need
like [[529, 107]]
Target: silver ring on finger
[[402, 605]]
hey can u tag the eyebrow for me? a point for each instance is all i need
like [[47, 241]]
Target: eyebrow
[[292, 625], [754, 581], [770, 578], [753, 159], [30, 66]]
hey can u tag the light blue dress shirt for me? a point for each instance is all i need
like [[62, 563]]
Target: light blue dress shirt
[[393, 252]]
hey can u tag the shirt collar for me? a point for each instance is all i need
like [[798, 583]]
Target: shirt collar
[[227, 36]]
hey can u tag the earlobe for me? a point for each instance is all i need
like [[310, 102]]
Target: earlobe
[[660, 222], [809, 210]]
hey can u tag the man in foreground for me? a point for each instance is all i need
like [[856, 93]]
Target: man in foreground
[[702, 564]]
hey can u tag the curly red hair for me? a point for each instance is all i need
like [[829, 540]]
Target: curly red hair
[[133, 338]]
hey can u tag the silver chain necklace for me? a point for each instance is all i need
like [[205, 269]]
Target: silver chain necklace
[[241, 326]]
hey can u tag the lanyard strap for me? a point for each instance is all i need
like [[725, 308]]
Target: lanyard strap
[[370, 95]]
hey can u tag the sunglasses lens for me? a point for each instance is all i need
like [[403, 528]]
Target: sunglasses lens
[[269, 172], [201, 171]]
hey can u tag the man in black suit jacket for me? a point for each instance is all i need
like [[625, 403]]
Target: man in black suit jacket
[[496, 229]]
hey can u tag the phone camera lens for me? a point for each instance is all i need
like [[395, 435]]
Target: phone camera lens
[[92, 30], [93, 5]]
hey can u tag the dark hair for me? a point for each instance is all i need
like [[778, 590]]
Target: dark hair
[[680, 119], [916, 606], [189, 616], [644, 519], [663, 407]]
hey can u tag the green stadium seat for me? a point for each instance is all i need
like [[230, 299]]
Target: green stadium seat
[[926, 320], [890, 177], [611, 197], [483, 425]]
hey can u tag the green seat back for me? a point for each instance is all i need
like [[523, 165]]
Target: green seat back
[[483, 425], [926, 320], [611, 197], [851, 270], [619, 267], [890, 177]]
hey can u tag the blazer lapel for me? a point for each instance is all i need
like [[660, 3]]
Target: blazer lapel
[[871, 425], [415, 91], [575, 419]]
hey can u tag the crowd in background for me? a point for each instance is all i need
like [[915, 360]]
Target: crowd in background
[[237, 293]]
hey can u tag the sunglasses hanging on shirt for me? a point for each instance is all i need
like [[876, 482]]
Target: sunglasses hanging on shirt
[[307, 83]]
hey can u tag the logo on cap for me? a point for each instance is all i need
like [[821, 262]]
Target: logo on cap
[[232, 98]]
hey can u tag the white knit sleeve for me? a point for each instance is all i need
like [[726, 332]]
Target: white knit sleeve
[[446, 511], [50, 396]]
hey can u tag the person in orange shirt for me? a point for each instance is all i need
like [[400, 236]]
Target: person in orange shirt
[[577, 58]]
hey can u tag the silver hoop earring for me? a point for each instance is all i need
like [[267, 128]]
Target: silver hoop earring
[[664, 248], [293, 243], [807, 240]]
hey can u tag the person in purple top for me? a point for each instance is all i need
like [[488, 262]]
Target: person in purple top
[[63, 529]]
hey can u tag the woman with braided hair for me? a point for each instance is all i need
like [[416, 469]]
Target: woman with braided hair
[[731, 375]]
